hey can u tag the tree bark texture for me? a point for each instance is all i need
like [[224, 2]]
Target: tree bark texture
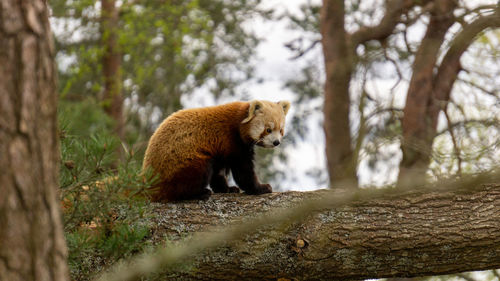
[[32, 245], [111, 65], [414, 234]]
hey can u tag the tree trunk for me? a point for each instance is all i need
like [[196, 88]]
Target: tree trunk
[[32, 245], [339, 50], [111, 65], [405, 235], [417, 123], [338, 67]]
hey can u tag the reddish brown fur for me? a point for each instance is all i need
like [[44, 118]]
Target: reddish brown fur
[[195, 147]]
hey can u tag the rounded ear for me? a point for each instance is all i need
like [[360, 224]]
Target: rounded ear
[[254, 107], [285, 104]]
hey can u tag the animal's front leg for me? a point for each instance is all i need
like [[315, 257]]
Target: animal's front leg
[[218, 183], [244, 176]]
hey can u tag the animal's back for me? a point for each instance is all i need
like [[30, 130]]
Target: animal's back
[[190, 135]]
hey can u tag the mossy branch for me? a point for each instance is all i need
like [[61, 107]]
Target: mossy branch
[[365, 233]]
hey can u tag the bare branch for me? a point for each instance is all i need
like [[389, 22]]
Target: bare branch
[[456, 149], [392, 16], [450, 66], [484, 122], [396, 66], [407, 43], [384, 110], [301, 51], [494, 94], [425, 9], [362, 121]]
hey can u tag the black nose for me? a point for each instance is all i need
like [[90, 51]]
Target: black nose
[[276, 142]]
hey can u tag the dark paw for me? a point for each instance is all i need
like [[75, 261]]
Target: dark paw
[[205, 195], [264, 188], [233, 189], [261, 189]]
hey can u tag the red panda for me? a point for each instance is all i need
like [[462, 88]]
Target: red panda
[[194, 148]]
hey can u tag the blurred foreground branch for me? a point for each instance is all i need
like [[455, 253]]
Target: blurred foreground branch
[[353, 234]]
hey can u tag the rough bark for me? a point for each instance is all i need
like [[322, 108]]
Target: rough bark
[[111, 65], [413, 234], [32, 245]]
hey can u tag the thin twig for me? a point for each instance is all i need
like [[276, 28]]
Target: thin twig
[[396, 66], [484, 122], [301, 52], [456, 149], [494, 94], [362, 122], [384, 110]]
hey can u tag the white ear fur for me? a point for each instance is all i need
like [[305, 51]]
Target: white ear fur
[[285, 104], [255, 106]]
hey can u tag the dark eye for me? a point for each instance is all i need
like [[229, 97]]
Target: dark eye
[[268, 130]]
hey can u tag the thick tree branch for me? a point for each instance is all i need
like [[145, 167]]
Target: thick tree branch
[[450, 66], [416, 121], [392, 16], [379, 233]]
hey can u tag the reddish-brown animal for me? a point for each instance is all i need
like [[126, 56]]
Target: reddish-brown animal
[[194, 148]]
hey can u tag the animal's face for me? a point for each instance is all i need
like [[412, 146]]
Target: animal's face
[[266, 122]]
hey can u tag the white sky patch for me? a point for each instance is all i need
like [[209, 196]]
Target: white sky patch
[[273, 67]]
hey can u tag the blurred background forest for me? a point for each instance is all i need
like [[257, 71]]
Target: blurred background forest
[[126, 65]]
